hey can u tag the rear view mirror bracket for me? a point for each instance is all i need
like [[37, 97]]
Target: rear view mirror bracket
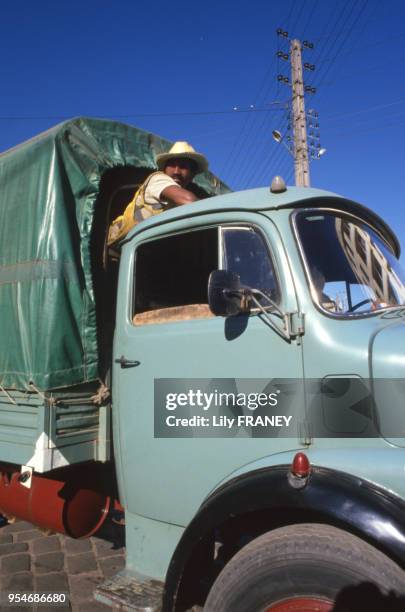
[[227, 297]]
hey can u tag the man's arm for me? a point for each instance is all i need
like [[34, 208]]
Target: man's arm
[[178, 195]]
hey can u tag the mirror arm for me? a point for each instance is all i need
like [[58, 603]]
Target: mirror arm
[[286, 332], [266, 297], [247, 294]]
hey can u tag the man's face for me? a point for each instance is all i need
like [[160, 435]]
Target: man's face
[[180, 170]]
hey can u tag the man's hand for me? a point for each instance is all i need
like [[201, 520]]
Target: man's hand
[[178, 196]]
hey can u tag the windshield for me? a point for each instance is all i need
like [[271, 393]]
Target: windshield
[[352, 271]]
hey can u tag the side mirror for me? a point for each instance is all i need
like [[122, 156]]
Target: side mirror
[[226, 296]]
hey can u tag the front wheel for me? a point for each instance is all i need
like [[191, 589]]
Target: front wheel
[[301, 568]]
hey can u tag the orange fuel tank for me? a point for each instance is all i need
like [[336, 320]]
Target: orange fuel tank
[[70, 500]]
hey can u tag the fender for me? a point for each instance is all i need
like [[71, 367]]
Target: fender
[[340, 498]]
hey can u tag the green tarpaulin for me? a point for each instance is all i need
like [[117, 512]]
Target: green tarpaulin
[[49, 188]]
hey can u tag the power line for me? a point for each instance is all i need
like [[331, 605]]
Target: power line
[[319, 51], [259, 160], [297, 17], [365, 70], [310, 15], [235, 150], [364, 46], [241, 170], [241, 141], [289, 176], [236, 158], [247, 135], [234, 111], [255, 126], [282, 166], [241, 136], [329, 34], [263, 129], [343, 42], [364, 110], [264, 141], [250, 160], [365, 123], [378, 129], [287, 21], [259, 168], [354, 22]]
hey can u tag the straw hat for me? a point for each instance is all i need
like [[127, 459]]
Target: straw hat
[[183, 150]]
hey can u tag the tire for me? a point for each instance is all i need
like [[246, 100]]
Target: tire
[[302, 567]]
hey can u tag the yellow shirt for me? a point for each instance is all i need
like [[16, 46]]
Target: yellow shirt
[[146, 202]]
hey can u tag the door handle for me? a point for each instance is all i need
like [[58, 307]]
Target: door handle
[[126, 363]]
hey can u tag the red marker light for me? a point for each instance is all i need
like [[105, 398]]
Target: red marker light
[[300, 466]]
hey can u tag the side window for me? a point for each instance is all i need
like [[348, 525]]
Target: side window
[[171, 274], [246, 254], [171, 277]]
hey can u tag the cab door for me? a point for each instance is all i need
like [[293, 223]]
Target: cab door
[[166, 338]]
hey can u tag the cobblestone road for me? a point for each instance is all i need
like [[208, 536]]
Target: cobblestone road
[[33, 562]]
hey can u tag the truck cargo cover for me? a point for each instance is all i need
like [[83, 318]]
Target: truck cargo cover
[[49, 188]]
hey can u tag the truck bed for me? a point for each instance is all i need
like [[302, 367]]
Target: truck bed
[[47, 431]]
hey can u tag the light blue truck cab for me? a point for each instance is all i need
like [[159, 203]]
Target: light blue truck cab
[[306, 348]]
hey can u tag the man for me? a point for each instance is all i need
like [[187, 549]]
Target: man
[[163, 189]]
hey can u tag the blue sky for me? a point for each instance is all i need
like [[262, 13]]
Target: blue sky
[[179, 69]]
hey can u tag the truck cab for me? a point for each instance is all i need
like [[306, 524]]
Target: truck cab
[[221, 379]]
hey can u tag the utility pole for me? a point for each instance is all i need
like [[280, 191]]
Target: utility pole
[[299, 123], [301, 152]]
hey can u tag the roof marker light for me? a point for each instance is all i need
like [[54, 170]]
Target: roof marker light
[[278, 185]]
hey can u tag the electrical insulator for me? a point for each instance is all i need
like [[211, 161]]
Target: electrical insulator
[[286, 80], [279, 54], [280, 77], [279, 31], [285, 56], [307, 44], [285, 34]]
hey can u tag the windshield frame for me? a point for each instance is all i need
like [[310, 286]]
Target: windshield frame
[[311, 286]]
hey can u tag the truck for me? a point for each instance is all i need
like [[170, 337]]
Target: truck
[[232, 376]]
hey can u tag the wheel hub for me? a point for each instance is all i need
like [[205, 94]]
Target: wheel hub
[[301, 604]]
